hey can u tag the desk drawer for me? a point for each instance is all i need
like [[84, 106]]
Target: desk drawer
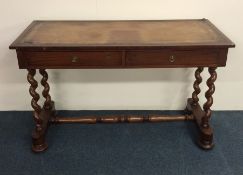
[[72, 59], [169, 58]]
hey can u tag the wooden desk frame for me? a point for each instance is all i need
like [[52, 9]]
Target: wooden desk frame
[[42, 57]]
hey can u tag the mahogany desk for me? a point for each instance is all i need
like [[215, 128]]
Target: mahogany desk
[[118, 45]]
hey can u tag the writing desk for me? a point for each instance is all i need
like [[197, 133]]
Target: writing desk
[[118, 45]]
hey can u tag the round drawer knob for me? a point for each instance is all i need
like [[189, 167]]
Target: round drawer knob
[[172, 58], [74, 59]]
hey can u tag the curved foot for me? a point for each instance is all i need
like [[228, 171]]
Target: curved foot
[[206, 145], [38, 141], [39, 148], [206, 138]]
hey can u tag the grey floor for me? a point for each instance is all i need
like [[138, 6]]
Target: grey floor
[[121, 149]]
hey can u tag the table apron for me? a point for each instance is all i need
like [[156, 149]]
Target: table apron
[[122, 59]]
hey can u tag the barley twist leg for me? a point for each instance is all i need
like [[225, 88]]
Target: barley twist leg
[[206, 139], [196, 87], [38, 138], [208, 95], [45, 92]]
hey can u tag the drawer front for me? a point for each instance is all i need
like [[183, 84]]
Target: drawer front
[[169, 58], [147, 58], [72, 59]]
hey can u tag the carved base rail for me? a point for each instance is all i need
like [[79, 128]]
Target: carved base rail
[[121, 119]]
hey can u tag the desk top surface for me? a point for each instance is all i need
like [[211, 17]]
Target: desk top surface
[[160, 33]]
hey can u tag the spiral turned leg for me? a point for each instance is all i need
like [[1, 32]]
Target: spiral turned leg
[[38, 137], [192, 102], [206, 140], [196, 87], [45, 92], [208, 95]]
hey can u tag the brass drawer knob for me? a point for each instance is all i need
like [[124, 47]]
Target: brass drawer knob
[[172, 58], [74, 59]]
